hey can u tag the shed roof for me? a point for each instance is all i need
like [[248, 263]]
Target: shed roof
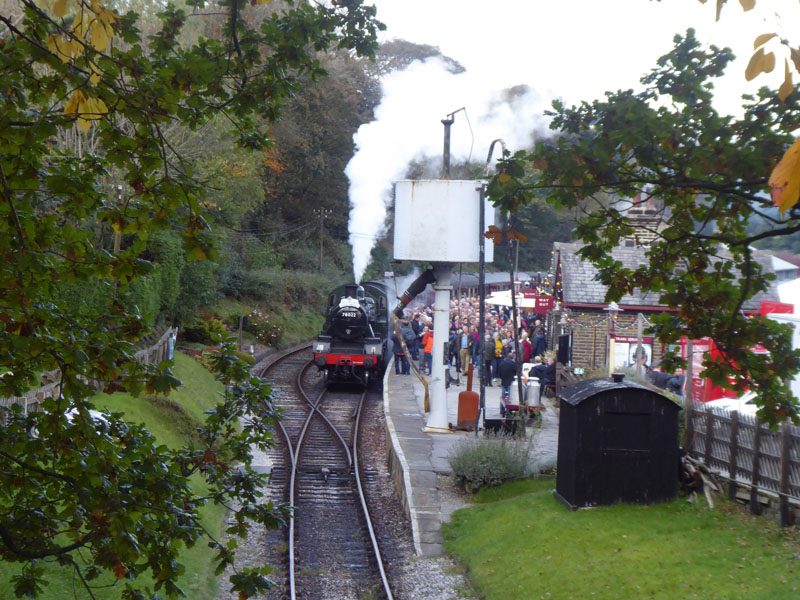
[[580, 286], [578, 392]]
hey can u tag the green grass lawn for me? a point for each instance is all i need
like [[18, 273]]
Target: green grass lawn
[[172, 421], [518, 542]]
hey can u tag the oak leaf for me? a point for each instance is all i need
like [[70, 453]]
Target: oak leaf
[[784, 182], [516, 235], [763, 39], [787, 86], [494, 234], [759, 63]]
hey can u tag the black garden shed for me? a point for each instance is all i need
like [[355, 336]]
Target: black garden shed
[[617, 442]]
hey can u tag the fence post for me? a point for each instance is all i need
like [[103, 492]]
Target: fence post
[[755, 509], [733, 460], [786, 447], [709, 433], [689, 433]]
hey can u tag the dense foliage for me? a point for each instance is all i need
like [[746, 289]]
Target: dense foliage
[[97, 114], [708, 176]]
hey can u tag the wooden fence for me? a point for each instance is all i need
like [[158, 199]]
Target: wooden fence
[[748, 454], [154, 354]]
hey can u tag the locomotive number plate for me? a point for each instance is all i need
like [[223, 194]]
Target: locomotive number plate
[[349, 315]]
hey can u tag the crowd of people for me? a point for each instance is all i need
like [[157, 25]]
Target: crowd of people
[[494, 360]]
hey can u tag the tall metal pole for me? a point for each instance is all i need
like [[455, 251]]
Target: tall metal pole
[[446, 152], [514, 330], [322, 212], [321, 227], [482, 284], [482, 305]]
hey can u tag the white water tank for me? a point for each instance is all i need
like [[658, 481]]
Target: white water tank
[[436, 220]]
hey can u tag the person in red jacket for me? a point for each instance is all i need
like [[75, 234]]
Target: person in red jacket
[[527, 347], [427, 348]]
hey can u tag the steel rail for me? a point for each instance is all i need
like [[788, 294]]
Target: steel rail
[[373, 538], [295, 457], [294, 451]]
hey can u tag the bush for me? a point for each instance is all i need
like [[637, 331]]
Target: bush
[[206, 330], [488, 462], [246, 357], [266, 332]]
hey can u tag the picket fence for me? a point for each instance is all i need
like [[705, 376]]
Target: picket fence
[[30, 401], [748, 454]]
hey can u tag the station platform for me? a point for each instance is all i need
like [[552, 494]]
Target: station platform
[[417, 458]]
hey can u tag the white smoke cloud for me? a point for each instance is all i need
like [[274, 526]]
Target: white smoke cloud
[[407, 127], [556, 47]]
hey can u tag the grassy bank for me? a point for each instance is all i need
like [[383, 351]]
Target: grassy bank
[[297, 325], [518, 542], [172, 421]]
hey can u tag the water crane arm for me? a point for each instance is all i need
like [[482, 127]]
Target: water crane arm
[[413, 290]]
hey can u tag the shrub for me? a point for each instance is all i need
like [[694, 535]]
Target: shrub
[[488, 462], [246, 357], [206, 330], [266, 331]]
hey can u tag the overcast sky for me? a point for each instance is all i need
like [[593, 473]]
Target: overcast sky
[[569, 49]]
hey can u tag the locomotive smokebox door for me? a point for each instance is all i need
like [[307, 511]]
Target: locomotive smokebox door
[[617, 442]]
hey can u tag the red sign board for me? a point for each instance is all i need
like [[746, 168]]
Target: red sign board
[[541, 303]]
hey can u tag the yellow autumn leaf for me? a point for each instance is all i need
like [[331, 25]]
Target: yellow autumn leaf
[[74, 102], [795, 54], [784, 182], [59, 46], [99, 35], [763, 39], [504, 178], [94, 78], [747, 4], [84, 124], [101, 107], [88, 109], [108, 17], [60, 8], [78, 29], [52, 42], [787, 86], [759, 63]]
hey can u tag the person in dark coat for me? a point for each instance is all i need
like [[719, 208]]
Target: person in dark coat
[[507, 370], [546, 373], [488, 359], [675, 383], [401, 366], [417, 329], [539, 342]]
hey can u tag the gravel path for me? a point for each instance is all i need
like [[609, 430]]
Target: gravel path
[[412, 577]]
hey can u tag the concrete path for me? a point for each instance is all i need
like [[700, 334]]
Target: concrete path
[[417, 458]]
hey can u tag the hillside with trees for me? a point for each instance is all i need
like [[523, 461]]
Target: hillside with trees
[[136, 140]]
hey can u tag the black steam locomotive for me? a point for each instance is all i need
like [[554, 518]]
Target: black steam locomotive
[[353, 344]]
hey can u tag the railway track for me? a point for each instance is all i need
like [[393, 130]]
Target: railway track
[[331, 550]]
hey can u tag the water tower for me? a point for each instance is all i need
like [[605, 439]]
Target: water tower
[[441, 221]]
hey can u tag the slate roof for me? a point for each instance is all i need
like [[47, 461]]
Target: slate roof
[[579, 285]]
